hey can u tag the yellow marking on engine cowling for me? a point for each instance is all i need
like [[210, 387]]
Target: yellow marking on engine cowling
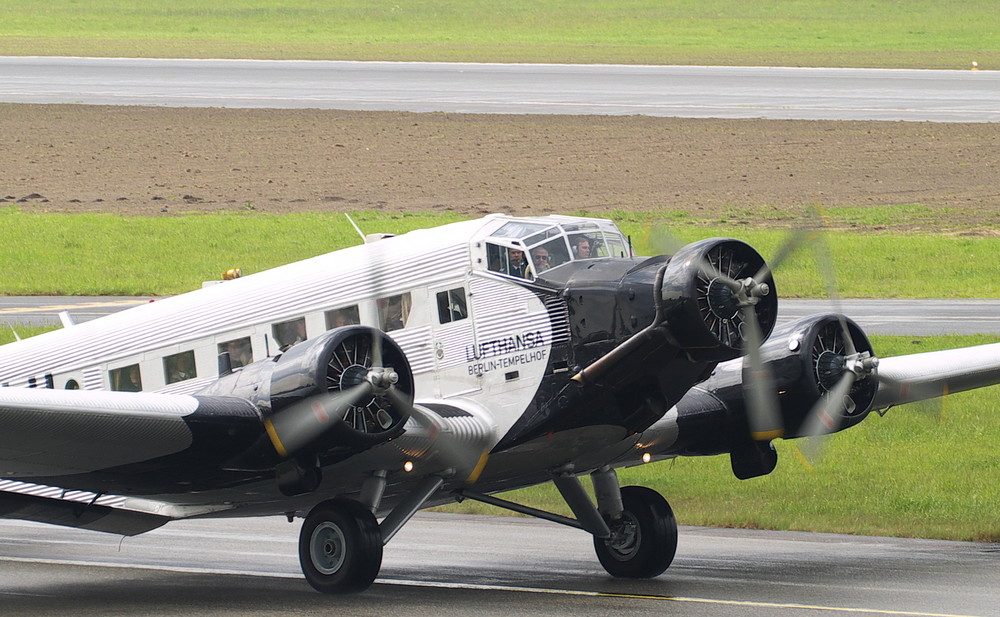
[[767, 435], [275, 440]]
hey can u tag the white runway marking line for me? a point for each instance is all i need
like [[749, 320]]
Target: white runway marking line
[[505, 588]]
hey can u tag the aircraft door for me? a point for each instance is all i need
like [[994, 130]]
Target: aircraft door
[[452, 332]]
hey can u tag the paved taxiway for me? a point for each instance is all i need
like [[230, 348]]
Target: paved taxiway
[[895, 317], [447, 564], [676, 91]]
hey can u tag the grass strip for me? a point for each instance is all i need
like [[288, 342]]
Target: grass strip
[[101, 254], [919, 33]]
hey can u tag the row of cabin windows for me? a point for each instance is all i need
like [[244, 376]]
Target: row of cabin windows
[[393, 313]]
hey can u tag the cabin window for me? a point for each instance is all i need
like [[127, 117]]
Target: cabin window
[[347, 316], [451, 305], [288, 333], [126, 379], [393, 311], [72, 385], [240, 351], [179, 367]]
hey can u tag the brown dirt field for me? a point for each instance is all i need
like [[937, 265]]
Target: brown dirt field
[[162, 161]]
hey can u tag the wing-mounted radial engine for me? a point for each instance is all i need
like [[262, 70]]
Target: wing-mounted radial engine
[[342, 392], [643, 334], [820, 373]]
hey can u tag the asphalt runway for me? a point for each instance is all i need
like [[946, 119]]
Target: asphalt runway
[[449, 564], [675, 91], [894, 317]]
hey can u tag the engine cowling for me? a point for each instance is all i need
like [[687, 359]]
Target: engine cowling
[[806, 359], [703, 311], [329, 392]]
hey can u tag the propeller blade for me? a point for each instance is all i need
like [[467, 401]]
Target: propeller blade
[[292, 428], [763, 410], [796, 239], [662, 241], [824, 262], [826, 416]]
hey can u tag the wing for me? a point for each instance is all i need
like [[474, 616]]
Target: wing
[[916, 377], [54, 433], [93, 442]]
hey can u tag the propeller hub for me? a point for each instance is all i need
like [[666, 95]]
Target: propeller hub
[[829, 367], [353, 375], [722, 300], [382, 378]]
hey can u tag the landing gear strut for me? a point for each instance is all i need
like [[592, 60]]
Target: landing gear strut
[[634, 529], [340, 547], [643, 540]]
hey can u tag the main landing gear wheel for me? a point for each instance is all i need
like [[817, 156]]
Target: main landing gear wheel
[[644, 540], [340, 547]]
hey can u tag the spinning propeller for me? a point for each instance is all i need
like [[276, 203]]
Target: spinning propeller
[[731, 294], [366, 395]]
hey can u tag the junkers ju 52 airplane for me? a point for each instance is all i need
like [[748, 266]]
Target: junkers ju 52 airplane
[[357, 387]]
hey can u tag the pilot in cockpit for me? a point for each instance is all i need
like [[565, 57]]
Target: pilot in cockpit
[[516, 264], [581, 247]]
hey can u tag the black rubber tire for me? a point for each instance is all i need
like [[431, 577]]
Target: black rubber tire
[[340, 547], [644, 542]]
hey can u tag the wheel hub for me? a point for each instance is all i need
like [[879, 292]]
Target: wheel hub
[[625, 537], [327, 548]]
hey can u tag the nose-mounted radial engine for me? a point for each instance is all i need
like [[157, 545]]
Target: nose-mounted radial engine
[[643, 334]]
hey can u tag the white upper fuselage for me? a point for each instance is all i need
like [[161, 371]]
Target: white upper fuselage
[[495, 354]]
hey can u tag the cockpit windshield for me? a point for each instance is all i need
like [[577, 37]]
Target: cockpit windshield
[[526, 249]]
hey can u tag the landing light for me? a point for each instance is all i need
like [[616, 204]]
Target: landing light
[[408, 466], [646, 457]]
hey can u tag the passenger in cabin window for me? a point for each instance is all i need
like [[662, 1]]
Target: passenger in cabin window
[[240, 353], [289, 333], [392, 313], [181, 368], [341, 318], [516, 264], [133, 382]]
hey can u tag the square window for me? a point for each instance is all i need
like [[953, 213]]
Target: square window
[[179, 367], [288, 333], [240, 351], [393, 312], [347, 316], [126, 379], [451, 305]]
